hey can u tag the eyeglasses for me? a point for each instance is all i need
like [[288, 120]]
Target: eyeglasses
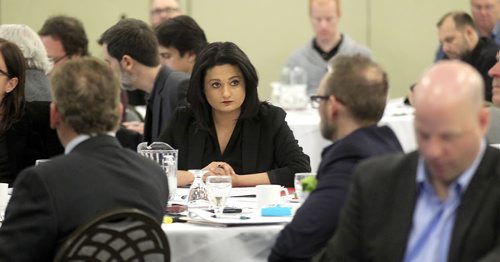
[[56, 60], [4, 73], [168, 10], [479, 8], [315, 100]]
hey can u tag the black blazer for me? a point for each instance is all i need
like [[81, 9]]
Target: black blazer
[[482, 58], [169, 92], [30, 139], [51, 200], [268, 145], [316, 220], [376, 222]]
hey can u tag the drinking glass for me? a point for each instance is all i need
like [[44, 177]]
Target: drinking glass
[[198, 195], [299, 193], [219, 190]]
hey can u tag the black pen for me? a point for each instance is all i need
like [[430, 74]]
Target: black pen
[[231, 217]]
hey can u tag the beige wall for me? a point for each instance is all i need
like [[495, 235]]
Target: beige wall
[[401, 33], [404, 36], [96, 15]]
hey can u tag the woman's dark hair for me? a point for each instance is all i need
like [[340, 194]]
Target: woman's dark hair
[[12, 104], [221, 53]]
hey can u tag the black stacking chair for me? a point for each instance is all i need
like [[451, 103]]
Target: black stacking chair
[[119, 235]]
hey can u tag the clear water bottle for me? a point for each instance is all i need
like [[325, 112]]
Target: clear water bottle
[[298, 87], [285, 75], [298, 76], [276, 93]]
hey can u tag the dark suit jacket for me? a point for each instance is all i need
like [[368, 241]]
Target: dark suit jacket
[[316, 220], [30, 139], [169, 92], [128, 138], [268, 145], [376, 221], [51, 200]]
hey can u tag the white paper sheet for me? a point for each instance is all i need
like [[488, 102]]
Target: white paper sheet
[[204, 217]]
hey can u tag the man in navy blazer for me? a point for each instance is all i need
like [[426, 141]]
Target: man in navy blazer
[[131, 48], [96, 174], [438, 204], [349, 118]]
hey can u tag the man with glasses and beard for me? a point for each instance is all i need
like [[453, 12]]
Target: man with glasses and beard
[[349, 120]]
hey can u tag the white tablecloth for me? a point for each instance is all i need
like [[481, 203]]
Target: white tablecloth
[[305, 127], [194, 242], [190, 242]]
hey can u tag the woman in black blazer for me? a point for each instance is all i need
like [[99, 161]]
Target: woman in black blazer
[[25, 133], [226, 130]]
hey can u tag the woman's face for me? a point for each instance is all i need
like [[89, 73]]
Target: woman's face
[[224, 87], [6, 84]]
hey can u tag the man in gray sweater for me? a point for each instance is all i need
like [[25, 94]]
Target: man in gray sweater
[[327, 42]]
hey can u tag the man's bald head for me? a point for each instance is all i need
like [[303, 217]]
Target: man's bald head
[[450, 82], [450, 120]]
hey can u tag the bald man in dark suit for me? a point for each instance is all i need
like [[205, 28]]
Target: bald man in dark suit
[[440, 203]]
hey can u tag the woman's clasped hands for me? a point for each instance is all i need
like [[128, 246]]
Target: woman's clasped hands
[[219, 169]]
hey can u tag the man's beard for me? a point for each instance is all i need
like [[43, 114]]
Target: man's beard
[[464, 54], [327, 131], [128, 87], [466, 51], [126, 81]]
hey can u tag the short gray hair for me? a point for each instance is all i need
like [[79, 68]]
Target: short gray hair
[[30, 44], [86, 93]]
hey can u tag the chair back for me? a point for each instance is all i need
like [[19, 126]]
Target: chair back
[[119, 235]]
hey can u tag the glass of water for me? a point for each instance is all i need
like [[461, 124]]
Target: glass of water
[[219, 190], [299, 193], [198, 193]]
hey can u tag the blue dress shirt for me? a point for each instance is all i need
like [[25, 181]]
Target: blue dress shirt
[[434, 218]]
